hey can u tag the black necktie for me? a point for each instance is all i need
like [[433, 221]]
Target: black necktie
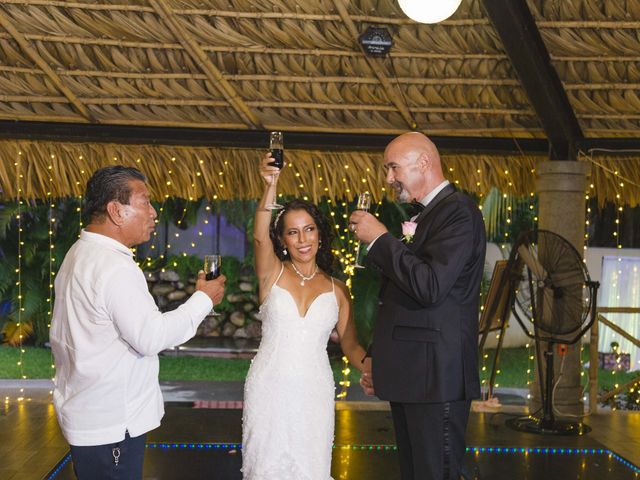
[[415, 208]]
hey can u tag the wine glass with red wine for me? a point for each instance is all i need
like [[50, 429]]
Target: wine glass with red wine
[[276, 147], [212, 265]]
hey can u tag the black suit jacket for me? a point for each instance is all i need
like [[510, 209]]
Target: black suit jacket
[[426, 332]]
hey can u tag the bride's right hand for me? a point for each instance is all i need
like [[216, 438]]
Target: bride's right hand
[[268, 172]]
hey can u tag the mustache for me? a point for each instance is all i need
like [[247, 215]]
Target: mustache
[[397, 186]]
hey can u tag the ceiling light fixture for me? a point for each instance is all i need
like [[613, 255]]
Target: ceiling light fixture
[[429, 11]]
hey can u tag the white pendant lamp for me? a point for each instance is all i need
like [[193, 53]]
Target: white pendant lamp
[[429, 11]]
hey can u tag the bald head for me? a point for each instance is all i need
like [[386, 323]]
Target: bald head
[[413, 166]]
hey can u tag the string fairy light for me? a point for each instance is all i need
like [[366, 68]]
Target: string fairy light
[[479, 188], [192, 194], [148, 260], [169, 182], [345, 383], [618, 241], [50, 231], [173, 186], [530, 368], [20, 308], [79, 197], [529, 346], [483, 369], [508, 198], [587, 225], [339, 214]]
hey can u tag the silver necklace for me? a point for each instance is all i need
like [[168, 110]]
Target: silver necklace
[[299, 273]]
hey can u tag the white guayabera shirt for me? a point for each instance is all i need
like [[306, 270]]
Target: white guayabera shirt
[[106, 334]]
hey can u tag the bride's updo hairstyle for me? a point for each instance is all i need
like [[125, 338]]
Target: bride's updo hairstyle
[[324, 257]]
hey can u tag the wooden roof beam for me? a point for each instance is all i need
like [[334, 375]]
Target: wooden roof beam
[[528, 54], [44, 66], [375, 64], [201, 59], [234, 136], [140, 134]]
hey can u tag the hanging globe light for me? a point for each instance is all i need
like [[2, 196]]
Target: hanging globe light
[[429, 11]]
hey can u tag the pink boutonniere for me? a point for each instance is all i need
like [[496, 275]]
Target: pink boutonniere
[[408, 231]]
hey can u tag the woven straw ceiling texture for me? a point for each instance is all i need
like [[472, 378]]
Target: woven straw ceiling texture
[[296, 66], [243, 64]]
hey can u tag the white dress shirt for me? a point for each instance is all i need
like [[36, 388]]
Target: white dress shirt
[[425, 201], [431, 195], [106, 334]]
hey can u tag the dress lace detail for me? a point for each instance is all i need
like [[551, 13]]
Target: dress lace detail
[[288, 415]]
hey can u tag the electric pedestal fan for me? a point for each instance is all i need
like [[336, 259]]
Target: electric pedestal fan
[[555, 302]]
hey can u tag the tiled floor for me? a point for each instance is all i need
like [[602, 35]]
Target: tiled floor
[[31, 445]]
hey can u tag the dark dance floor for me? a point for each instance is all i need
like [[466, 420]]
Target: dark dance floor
[[198, 443], [222, 462]]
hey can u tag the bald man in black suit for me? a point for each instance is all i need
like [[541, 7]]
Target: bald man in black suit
[[425, 338]]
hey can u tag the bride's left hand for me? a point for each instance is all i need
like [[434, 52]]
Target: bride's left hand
[[366, 380]]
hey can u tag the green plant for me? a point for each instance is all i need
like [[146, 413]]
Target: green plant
[[506, 216], [36, 261], [232, 268], [365, 283], [187, 266], [182, 213]]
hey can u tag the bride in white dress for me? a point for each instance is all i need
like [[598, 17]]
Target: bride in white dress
[[288, 416]]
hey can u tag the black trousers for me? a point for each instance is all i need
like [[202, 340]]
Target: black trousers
[[99, 462], [430, 439]]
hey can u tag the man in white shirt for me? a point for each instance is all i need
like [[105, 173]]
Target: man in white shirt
[[107, 331]]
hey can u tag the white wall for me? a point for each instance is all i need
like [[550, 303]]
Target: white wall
[[514, 336], [594, 258]]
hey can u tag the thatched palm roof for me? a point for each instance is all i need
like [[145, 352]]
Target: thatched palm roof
[[297, 66]]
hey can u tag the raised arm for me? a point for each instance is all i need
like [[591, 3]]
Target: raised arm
[[267, 263]]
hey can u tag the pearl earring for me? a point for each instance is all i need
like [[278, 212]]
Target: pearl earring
[[284, 252]]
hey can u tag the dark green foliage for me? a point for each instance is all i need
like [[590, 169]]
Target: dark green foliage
[[365, 287], [35, 220], [237, 212], [506, 216], [188, 267], [182, 213], [231, 270], [185, 266], [629, 400]]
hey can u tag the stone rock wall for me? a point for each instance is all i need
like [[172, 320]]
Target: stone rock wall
[[241, 321]]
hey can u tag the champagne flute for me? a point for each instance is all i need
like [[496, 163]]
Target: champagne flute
[[364, 203], [212, 265], [276, 146]]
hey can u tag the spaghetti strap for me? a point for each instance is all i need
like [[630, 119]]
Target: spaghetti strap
[[280, 274], [274, 283], [333, 286]]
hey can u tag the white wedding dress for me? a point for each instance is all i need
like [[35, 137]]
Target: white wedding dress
[[288, 417]]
